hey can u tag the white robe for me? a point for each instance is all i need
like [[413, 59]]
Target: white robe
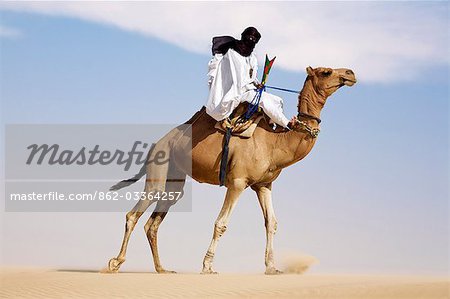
[[231, 84]]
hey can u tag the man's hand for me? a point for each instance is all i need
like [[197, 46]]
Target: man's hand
[[292, 123], [258, 85]]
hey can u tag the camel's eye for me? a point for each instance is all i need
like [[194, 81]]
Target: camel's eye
[[326, 73]]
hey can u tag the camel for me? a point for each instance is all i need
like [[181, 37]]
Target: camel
[[255, 162]]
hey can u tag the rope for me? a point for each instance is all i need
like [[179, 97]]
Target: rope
[[282, 89], [253, 107]]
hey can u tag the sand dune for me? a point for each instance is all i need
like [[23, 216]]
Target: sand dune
[[17, 283]]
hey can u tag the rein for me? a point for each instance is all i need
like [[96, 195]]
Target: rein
[[282, 89]]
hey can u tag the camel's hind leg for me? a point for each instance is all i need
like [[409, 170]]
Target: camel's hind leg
[[157, 174], [174, 184], [131, 220], [151, 230]]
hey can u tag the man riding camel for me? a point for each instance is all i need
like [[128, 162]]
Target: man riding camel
[[232, 74], [232, 79]]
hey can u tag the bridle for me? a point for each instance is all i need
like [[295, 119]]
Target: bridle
[[313, 132]]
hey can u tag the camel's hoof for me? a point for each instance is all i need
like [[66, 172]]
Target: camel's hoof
[[114, 264], [209, 271], [164, 271], [273, 271]]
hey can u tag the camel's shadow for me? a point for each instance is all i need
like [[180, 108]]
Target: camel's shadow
[[77, 270], [99, 271]]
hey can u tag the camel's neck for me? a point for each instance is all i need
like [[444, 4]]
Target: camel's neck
[[310, 101], [290, 147], [293, 145]]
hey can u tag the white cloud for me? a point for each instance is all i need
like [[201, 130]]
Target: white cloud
[[9, 32], [381, 42]]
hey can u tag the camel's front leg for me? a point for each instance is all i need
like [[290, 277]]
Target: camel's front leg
[[265, 200], [234, 190]]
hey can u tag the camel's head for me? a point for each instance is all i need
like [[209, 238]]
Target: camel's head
[[327, 80]]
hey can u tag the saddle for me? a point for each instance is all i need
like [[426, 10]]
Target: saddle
[[238, 124]]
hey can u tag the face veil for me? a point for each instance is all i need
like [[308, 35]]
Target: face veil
[[249, 38]]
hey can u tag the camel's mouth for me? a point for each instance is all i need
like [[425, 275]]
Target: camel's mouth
[[349, 81], [345, 81]]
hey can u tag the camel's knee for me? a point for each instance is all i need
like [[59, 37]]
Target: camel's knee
[[271, 225], [154, 230], [219, 229], [151, 228], [131, 216], [131, 219], [148, 225]]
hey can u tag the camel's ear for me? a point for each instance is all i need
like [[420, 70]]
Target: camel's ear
[[309, 71]]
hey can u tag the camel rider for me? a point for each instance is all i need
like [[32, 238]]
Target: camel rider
[[232, 79]]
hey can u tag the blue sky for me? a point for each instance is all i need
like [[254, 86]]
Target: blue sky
[[371, 197]]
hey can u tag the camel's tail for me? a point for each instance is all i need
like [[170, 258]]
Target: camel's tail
[[128, 182]]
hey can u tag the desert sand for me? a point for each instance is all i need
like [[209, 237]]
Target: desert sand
[[35, 283]]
